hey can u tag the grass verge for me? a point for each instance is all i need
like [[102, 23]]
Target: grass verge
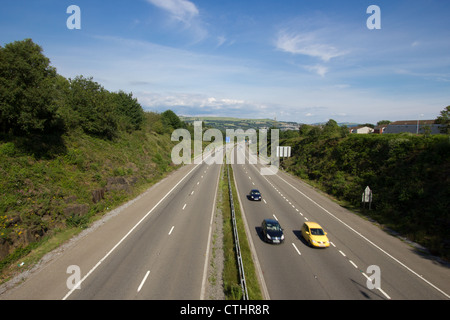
[[232, 286]]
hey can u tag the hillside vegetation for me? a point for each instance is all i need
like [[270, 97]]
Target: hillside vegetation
[[70, 150], [408, 174]]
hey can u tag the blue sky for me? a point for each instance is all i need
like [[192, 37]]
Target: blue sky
[[304, 61]]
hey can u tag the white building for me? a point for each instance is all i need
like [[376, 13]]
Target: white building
[[361, 130]]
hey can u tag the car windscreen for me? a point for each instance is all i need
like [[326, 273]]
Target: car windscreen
[[273, 227], [317, 232]]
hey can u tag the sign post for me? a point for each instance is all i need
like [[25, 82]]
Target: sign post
[[367, 197], [284, 152]]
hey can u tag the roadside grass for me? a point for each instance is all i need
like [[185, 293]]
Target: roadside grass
[[46, 201], [27, 257], [232, 286]]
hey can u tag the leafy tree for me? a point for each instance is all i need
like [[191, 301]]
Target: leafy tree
[[444, 119], [93, 108], [27, 90], [289, 134], [314, 133], [171, 121], [304, 129], [383, 122], [333, 130], [129, 110]]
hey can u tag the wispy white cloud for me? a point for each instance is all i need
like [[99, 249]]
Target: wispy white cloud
[[186, 13], [319, 69], [220, 41], [182, 10], [307, 44]]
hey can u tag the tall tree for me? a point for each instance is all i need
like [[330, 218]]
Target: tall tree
[[444, 119], [93, 108], [170, 119], [27, 90], [128, 110]]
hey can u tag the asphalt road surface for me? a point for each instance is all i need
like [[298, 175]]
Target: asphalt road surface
[[359, 252], [154, 248]]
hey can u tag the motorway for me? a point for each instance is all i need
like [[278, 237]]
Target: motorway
[[154, 248], [157, 247], [294, 270]]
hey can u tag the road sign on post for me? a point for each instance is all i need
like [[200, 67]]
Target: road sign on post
[[367, 197], [284, 152]]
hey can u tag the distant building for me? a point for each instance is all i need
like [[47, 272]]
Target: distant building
[[361, 130], [380, 129], [413, 126]]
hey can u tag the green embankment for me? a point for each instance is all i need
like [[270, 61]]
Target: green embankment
[[43, 197], [70, 150], [408, 174]]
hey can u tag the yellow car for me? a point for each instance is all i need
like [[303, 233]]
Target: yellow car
[[314, 235]]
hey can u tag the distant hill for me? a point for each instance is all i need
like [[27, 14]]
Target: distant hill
[[224, 123], [341, 124]]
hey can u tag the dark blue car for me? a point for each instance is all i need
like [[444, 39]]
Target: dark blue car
[[255, 195], [272, 231]]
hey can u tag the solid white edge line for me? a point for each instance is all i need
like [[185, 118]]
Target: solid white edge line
[[376, 246], [143, 281], [126, 236], [381, 290], [373, 244], [385, 294]]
